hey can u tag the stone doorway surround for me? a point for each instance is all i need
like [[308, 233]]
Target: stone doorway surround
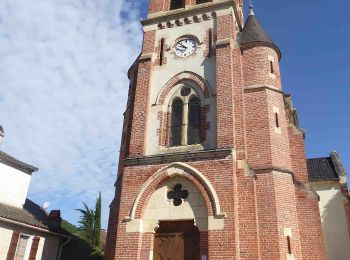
[[201, 205]]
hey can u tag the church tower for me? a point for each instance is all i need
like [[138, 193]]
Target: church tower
[[212, 162]]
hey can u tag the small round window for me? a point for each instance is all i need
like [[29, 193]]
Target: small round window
[[185, 91]]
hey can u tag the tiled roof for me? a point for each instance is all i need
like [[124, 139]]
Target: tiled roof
[[31, 214], [15, 163], [253, 32], [321, 169]]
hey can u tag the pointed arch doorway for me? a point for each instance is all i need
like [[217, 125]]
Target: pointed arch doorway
[[177, 240]]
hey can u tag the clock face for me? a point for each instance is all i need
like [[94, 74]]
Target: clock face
[[185, 47]]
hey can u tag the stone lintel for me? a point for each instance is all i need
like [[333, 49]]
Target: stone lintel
[[273, 169], [257, 88], [215, 154]]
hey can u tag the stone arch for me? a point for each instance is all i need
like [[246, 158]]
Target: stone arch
[[164, 174], [186, 75]]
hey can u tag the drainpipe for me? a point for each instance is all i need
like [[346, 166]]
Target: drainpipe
[[62, 246]]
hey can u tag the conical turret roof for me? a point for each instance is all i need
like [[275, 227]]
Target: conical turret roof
[[254, 33]]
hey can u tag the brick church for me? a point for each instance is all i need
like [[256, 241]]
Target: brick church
[[212, 159]]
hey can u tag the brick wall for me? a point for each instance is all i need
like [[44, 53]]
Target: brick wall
[[286, 214], [164, 5], [258, 130], [310, 230], [224, 81], [347, 212], [308, 212], [238, 99], [246, 221], [280, 153], [130, 245], [157, 5], [141, 100], [257, 68], [297, 153]]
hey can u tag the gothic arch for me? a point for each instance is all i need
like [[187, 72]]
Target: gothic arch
[[186, 75], [164, 174]]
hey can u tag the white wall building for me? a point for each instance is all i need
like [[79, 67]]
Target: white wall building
[[328, 177], [26, 231]]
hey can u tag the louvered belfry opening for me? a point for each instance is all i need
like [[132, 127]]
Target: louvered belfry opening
[[203, 1], [177, 4], [176, 122], [194, 115]]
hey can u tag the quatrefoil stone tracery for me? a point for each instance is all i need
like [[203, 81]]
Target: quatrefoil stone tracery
[[177, 195]]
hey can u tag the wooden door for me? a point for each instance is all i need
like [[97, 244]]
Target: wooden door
[[176, 241], [191, 246], [168, 246]]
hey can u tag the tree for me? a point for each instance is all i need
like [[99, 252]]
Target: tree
[[90, 226]]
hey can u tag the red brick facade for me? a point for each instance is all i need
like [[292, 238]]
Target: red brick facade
[[257, 175]]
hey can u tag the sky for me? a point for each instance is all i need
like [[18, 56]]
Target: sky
[[63, 86]]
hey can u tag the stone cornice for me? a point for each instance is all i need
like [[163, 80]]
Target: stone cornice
[[273, 169], [215, 154]]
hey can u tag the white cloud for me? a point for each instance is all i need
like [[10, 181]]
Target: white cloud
[[63, 89]]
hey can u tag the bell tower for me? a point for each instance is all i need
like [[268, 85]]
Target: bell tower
[[212, 166]]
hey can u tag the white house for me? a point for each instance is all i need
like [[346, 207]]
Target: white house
[[27, 232], [328, 177]]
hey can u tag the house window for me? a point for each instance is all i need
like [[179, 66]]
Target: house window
[[21, 247], [177, 4], [185, 118]]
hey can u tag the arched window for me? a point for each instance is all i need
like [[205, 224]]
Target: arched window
[[194, 116], [177, 4], [176, 122], [185, 118]]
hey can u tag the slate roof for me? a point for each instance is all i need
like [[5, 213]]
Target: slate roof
[[31, 214], [322, 169], [15, 163], [253, 32]]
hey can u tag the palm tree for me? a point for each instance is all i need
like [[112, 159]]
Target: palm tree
[[90, 226]]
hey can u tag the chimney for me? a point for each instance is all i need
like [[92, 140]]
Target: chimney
[[55, 220], [2, 134]]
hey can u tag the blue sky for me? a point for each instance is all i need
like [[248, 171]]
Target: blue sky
[[314, 38], [63, 85]]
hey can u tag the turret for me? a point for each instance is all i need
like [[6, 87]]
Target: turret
[[261, 54], [265, 112]]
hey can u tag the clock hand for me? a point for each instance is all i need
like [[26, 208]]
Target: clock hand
[[180, 48]]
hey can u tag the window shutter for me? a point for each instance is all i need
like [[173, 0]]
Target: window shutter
[[13, 246], [34, 249]]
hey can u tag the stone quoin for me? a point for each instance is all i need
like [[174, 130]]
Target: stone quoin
[[206, 122]]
